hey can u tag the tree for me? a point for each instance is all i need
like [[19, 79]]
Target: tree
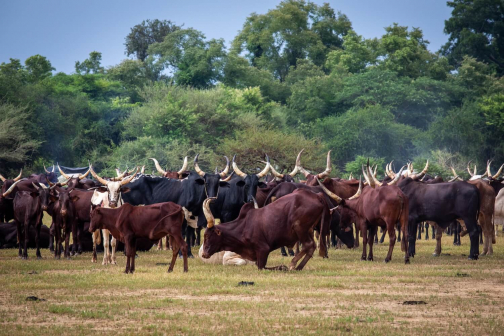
[[355, 166], [38, 68], [356, 55], [15, 143], [294, 30], [476, 28], [144, 34], [90, 65], [194, 61]]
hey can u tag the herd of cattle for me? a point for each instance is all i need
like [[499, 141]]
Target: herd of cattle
[[247, 218]]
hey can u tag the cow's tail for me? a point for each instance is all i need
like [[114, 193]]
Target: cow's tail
[[403, 220], [325, 220]]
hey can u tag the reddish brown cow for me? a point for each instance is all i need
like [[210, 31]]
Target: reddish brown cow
[[155, 221], [257, 232], [28, 212], [382, 206]]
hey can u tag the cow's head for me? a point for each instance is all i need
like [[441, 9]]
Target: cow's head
[[181, 174], [65, 200], [252, 180], [96, 220], [51, 175], [211, 182], [73, 181], [7, 183], [42, 192], [311, 178], [212, 242], [113, 188]]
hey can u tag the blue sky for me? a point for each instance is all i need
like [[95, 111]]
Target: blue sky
[[66, 31]]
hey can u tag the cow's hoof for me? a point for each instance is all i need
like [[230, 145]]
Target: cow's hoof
[[113, 262], [406, 261], [386, 260], [435, 254], [370, 259], [185, 271], [363, 258], [68, 258], [190, 256], [170, 270], [472, 258], [39, 257]]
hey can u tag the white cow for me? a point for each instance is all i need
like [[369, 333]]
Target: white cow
[[224, 258], [499, 210], [108, 196]]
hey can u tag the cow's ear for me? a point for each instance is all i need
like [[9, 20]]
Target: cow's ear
[[218, 232], [223, 184], [125, 190], [74, 198], [34, 194], [200, 181], [262, 185], [102, 189], [240, 183]]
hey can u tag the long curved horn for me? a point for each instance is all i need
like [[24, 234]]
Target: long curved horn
[[197, 168], [128, 180], [227, 179], [237, 170], [488, 173], [387, 171], [101, 180], [299, 167], [256, 206], [142, 171], [5, 194], [375, 169], [47, 171], [469, 169], [359, 191], [2, 178], [275, 173], [422, 173], [52, 169], [330, 193], [350, 177], [158, 167], [366, 176], [63, 173], [397, 177], [328, 169], [118, 172], [498, 172], [373, 177], [226, 170], [64, 183], [266, 169], [85, 175], [184, 166], [49, 182], [298, 163], [208, 213], [19, 176]]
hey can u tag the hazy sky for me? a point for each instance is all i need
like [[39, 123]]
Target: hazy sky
[[66, 31]]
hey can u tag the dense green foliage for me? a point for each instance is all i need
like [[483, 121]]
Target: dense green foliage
[[295, 77]]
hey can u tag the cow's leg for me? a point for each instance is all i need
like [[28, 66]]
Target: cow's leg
[[420, 226], [113, 244], [297, 248], [382, 238], [356, 242], [291, 252], [37, 239], [458, 229], [373, 230], [295, 260], [433, 233], [472, 228], [364, 231], [160, 244], [262, 259], [426, 230], [412, 231], [128, 249], [439, 235], [399, 234], [51, 241], [283, 251], [56, 242], [132, 255], [80, 228], [309, 247], [74, 238], [106, 239], [26, 239], [67, 243], [333, 239], [392, 239], [94, 258], [189, 236], [376, 238], [198, 236], [19, 238]]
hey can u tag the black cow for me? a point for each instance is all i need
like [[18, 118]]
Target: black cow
[[442, 203], [45, 178]]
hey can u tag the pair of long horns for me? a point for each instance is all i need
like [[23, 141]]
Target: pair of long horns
[[489, 173], [455, 175], [201, 173], [300, 168], [421, 174], [47, 171], [8, 191], [369, 176], [69, 177], [208, 213], [105, 182], [243, 175], [15, 179], [160, 170], [336, 197]]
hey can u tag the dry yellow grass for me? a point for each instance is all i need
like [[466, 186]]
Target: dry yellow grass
[[339, 295]]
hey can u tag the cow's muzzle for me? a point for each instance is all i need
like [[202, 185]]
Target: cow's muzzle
[[206, 255], [63, 212]]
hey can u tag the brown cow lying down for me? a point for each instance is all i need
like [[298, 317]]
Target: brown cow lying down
[[8, 236], [155, 221], [257, 232]]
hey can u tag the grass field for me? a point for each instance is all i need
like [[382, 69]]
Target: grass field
[[339, 295]]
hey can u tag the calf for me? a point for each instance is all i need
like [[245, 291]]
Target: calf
[[155, 221], [28, 212]]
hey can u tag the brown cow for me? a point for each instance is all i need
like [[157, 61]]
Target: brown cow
[[257, 232], [155, 221], [382, 206]]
